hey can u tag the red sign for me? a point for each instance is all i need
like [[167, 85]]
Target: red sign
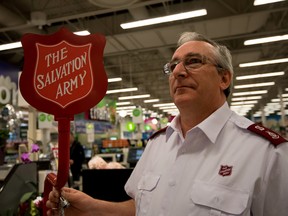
[[63, 73]]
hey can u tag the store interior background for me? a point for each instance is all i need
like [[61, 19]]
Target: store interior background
[[136, 57]]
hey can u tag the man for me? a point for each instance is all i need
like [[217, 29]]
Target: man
[[77, 157], [209, 161]]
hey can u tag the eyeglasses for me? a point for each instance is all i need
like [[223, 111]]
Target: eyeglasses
[[190, 62]]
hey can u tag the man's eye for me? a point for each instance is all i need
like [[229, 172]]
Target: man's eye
[[172, 66], [191, 61]]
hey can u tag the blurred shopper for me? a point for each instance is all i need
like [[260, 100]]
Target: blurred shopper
[[77, 157]]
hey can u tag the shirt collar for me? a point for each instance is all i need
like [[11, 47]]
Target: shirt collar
[[173, 127], [211, 126]]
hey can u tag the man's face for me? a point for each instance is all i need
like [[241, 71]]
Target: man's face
[[198, 87]]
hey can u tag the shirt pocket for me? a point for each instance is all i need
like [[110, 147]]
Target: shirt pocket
[[214, 197], [146, 186]]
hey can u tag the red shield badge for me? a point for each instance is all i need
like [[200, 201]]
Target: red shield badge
[[63, 73], [63, 83], [225, 170]]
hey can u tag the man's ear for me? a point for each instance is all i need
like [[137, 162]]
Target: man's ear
[[226, 79]]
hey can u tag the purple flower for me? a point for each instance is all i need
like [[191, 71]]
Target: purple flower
[[35, 148], [25, 158]]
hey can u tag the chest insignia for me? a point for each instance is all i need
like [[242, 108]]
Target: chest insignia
[[225, 170]]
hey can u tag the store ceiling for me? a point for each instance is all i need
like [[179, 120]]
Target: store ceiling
[[137, 55]]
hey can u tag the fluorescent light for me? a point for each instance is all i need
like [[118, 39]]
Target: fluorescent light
[[262, 2], [169, 18], [244, 102], [254, 76], [121, 90], [18, 44], [284, 95], [245, 106], [164, 104], [250, 93], [273, 61], [117, 79], [10, 46], [122, 103], [266, 40], [167, 107], [286, 89], [278, 99], [242, 109], [134, 97], [82, 33], [246, 98], [254, 85], [151, 101], [126, 108]]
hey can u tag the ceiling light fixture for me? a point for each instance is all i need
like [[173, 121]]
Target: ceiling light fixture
[[254, 76], [262, 2], [278, 99], [244, 102], [273, 61], [126, 108], [246, 106], [121, 90], [134, 97], [117, 79], [18, 44], [254, 85], [284, 95], [168, 107], [82, 33], [250, 93], [164, 104], [266, 40], [163, 19], [247, 98], [122, 103], [151, 100], [10, 46]]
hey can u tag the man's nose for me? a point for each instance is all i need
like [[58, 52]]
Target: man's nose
[[180, 70]]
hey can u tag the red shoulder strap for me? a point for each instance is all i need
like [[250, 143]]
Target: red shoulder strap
[[162, 130], [270, 135]]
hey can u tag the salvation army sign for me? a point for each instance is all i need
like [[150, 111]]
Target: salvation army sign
[[63, 73]]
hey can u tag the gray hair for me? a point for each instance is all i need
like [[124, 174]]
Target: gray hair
[[222, 54]]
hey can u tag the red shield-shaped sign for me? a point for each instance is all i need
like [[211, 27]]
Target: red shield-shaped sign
[[63, 73], [225, 170], [65, 83]]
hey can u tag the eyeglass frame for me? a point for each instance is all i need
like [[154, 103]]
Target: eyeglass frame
[[204, 60]]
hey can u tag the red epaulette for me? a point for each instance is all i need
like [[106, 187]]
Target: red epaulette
[[162, 130], [272, 136]]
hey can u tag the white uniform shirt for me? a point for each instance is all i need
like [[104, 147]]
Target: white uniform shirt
[[220, 168]]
